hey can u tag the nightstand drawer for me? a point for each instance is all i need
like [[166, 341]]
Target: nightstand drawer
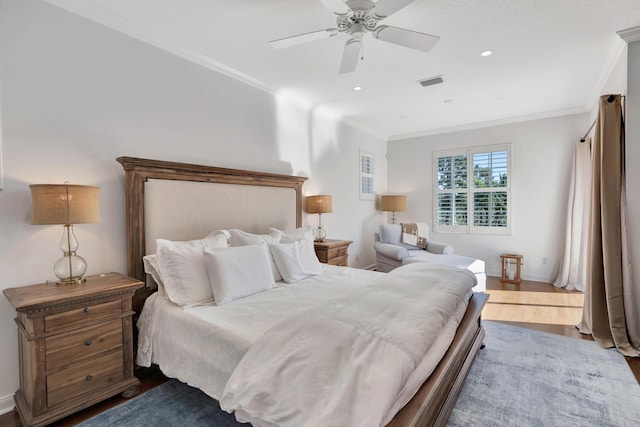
[[82, 379], [339, 261], [333, 252], [338, 252], [67, 349], [54, 322], [322, 256]]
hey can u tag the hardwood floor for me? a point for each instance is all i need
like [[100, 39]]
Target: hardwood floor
[[533, 305]]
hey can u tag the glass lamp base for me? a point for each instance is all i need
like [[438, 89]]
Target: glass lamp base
[[71, 281], [69, 269], [321, 235]]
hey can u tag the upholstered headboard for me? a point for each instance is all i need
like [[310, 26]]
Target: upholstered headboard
[[179, 201]]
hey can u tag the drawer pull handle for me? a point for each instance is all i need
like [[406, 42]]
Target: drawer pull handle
[[87, 342], [89, 377], [86, 309]]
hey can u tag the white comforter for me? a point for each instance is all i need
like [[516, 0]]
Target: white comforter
[[202, 345], [345, 363]]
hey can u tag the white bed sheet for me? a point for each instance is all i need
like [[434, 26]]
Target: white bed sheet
[[202, 345]]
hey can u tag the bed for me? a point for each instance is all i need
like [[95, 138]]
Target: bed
[[168, 200]]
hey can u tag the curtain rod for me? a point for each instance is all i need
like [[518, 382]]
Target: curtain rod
[[610, 99], [584, 138]]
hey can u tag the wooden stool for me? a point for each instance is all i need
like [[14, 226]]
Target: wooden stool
[[510, 273]]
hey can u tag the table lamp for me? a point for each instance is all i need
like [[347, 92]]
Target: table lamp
[[393, 203], [66, 204], [319, 204]]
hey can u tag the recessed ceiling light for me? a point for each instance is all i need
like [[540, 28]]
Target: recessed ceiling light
[[486, 53], [357, 88]]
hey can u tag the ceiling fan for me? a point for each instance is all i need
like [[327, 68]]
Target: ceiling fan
[[357, 18]]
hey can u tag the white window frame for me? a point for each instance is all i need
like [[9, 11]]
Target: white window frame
[[367, 175], [470, 228]]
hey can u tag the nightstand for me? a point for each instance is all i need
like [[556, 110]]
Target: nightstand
[[75, 345], [334, 252]]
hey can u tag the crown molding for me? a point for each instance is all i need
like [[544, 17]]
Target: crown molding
[[490, 123], [630, 35]]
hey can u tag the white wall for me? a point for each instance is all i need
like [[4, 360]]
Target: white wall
[[633, 157], [76, 95], [616, 82], [542, 153]]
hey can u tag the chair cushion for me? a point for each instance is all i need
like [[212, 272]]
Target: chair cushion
[[392, 233], [472, 264]]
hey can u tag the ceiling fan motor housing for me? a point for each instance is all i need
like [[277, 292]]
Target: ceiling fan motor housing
[[358, 20]]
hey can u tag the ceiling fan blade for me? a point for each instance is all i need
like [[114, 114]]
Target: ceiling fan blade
[[350, 56], [406, 38], [336, 6], [384, 8], [304, 38]]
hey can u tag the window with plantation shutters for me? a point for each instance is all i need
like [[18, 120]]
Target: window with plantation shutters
[[367, 176], [452, 190], [472, 190]]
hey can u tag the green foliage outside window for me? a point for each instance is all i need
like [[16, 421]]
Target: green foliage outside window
[[483, 193]]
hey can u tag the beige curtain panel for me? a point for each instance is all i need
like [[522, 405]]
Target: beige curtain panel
[[571, 272], [611, 302]]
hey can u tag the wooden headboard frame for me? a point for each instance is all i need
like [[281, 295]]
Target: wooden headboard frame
[[138, 171]]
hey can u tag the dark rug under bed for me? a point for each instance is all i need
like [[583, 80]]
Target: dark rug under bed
[[521, 378]]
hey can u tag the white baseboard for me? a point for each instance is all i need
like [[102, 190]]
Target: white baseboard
[[530, 277], [6, 404]]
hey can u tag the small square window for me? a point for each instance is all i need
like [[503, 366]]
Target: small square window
[[367, 176]]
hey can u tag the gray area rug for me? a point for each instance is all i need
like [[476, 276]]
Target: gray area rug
[[522, 378], [529, 378]]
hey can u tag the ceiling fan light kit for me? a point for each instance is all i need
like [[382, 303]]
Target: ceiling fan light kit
[[356, 18]]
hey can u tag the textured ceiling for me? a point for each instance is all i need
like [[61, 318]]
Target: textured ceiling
[[550, 57]]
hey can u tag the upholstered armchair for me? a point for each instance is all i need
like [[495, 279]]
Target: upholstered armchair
[[391, 253]]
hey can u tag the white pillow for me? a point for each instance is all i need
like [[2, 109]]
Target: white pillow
[[151, 267], [221, 237], [297, 260], [242, 238], [303, 233], [183, 271], [237, 272]]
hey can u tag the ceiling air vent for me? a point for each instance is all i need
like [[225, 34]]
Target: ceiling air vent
[[431, 81]]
